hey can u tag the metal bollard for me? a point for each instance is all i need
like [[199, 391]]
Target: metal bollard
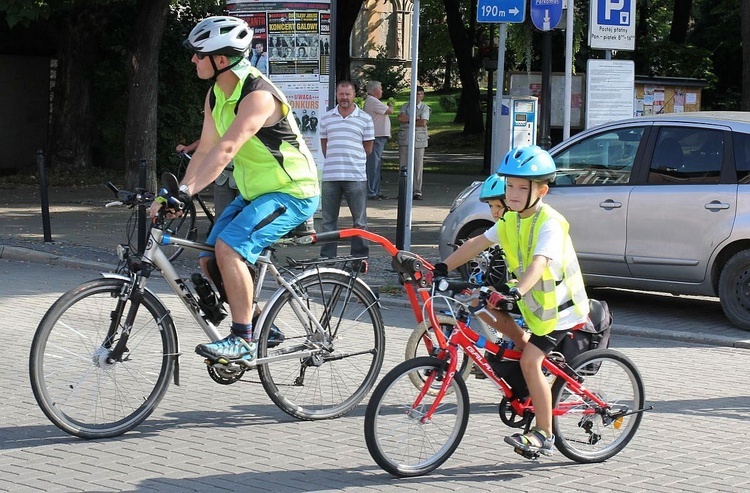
[[43, 194]]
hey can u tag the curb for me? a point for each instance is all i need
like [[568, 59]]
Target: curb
[[31, 255], [387, 301]]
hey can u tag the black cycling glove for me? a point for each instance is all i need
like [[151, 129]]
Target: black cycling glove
[[440, 270]]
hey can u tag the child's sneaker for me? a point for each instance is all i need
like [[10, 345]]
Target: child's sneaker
[[230, 349], [535, 441]]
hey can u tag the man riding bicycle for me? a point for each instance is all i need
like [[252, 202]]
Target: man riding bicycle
[[248, 119]]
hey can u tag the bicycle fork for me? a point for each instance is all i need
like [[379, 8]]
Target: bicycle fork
[[133, 293], [447, 375]]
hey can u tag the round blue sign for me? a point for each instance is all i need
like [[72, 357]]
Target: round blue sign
[[546, 14]]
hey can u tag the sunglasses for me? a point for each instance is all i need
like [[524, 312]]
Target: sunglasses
[[200, 56]]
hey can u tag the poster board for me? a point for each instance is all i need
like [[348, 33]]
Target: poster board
[[296, 37], [530, 84]]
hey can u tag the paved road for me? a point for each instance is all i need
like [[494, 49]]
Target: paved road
[[206, 436]]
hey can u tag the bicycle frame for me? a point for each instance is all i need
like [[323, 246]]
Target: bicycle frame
[[466, 339], [153, 255]]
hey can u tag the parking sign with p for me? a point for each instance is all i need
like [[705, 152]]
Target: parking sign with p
[[611, 25]]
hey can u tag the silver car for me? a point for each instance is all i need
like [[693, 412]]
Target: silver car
[[659, 203]]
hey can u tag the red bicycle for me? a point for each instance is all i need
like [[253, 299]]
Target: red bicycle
[[410, 429]]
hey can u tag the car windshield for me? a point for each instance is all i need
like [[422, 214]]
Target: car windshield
[[604, 159]]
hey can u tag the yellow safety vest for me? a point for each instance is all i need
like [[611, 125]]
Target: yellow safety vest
[[540, 306], [276, 158]]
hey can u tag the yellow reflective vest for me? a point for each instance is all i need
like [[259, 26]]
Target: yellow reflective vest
[[540, 305]]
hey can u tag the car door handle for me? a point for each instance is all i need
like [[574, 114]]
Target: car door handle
[[610, 204], [715, 205]]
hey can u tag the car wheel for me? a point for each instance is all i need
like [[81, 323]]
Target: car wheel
[[477, 265], [734, 289]]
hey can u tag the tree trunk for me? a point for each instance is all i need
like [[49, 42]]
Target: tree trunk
[[745, 30], [448, 72], [641, 33], [680, 21], [346, 16], [71, 129], [143, 62], [469, 109]]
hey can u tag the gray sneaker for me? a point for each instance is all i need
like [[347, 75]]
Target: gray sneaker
[[230, 349]]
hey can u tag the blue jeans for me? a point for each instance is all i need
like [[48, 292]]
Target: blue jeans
[[355, 193], [374, 163]]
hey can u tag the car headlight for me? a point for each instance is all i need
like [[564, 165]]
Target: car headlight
[[464, 194]]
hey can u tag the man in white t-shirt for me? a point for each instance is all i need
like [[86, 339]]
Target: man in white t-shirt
[[379, 112], [346, 137]]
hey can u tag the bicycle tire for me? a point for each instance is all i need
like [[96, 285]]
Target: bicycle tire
[[181, 227], [72, 383], [330, 383], [416, 347], [396, 438], [583, 433]]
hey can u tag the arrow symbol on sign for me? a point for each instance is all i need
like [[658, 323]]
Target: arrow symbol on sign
[[513, 11]]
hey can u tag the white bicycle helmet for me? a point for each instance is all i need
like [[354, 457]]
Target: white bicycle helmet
[[220, 35]]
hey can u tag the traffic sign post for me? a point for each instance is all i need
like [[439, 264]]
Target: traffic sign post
[[546, 14], [510, 11]]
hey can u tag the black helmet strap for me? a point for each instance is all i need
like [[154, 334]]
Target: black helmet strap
[[218, 71]]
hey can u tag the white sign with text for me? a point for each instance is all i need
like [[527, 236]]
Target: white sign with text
[[609, 91]]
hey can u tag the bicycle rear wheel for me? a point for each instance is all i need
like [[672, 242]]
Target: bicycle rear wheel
[[586, 432], [181, 227], [74, 385], [397, 438], [347, 356], [417, 346]]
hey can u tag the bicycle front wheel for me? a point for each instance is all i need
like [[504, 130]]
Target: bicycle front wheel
[[181, 227], [397, 436], [421, 343], [75, 386], [337, 366], [586, 432]]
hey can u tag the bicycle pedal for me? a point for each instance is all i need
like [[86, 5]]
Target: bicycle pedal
[[526, 454]]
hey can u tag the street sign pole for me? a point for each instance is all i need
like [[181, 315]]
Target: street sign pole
[[501, 12]]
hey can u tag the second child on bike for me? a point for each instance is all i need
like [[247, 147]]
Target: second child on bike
[[246, 119], [548, 284]]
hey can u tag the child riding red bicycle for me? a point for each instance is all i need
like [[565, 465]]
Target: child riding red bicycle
[[547, 285]]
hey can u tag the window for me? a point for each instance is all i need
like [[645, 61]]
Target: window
[[742, 156], [687, 155], [605, 159]]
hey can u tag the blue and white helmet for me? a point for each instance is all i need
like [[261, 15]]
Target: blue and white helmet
[[531, 162], [493, 188]]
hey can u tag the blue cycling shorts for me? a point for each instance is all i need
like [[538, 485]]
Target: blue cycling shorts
[[249, 227]]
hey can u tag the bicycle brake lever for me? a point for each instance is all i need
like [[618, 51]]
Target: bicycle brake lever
[[113, 204]]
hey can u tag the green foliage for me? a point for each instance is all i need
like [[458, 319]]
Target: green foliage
[[181, 93], [435, 48], [449, 102], [390, 75]]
